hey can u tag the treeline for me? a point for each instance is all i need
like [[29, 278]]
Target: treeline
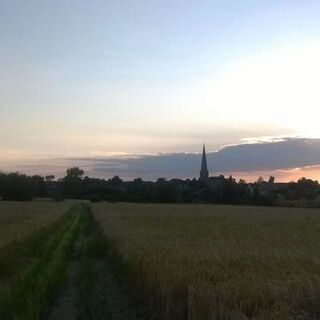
[[15, 186], [20, 187]]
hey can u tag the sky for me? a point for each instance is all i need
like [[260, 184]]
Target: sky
[[114, 80]]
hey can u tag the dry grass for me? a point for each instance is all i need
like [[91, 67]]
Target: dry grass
[[218, 262]]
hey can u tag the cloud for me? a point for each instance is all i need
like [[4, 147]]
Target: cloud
[[284, 154], [286, 158]]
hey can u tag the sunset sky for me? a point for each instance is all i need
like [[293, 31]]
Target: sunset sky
[[83, 82]]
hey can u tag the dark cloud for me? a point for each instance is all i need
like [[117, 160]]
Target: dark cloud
[[242, 159], [287, 153], [284, 154]]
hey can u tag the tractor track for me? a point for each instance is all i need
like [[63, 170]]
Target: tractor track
[[91, 288]]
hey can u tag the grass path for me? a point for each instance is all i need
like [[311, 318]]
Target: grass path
[[65, 273], [36, 284], [91, 290], [16, 253], [64, 307], [29, 288]]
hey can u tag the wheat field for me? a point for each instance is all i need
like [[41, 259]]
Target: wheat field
[[19, 219], [218, 262]]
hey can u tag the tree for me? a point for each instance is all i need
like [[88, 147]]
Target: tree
[[256, 195], [49, 178], [72, 183], [38, 186], [116, 181], [307, 188], [167, 192], [75, 172], [271, 179], [260, 180], [19, 187]]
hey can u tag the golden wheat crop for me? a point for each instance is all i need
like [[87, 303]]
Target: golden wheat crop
[[218, 262]]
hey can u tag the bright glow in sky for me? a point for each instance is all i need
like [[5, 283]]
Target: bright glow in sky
[[278, 88], [81, 78]]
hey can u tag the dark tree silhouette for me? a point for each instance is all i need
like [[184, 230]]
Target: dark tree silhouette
[[75, 172], [15, 186]]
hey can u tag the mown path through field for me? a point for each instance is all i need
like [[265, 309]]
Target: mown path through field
[[68, 296], [90, 289]]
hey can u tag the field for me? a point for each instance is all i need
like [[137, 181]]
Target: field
[[53, 265], [218, 262], [24, 229], [18, 219], [147, 261]]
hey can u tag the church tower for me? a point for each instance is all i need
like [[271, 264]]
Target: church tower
[[204, 173]]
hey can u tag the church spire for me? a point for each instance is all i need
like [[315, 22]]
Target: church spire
[[204, 173]]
